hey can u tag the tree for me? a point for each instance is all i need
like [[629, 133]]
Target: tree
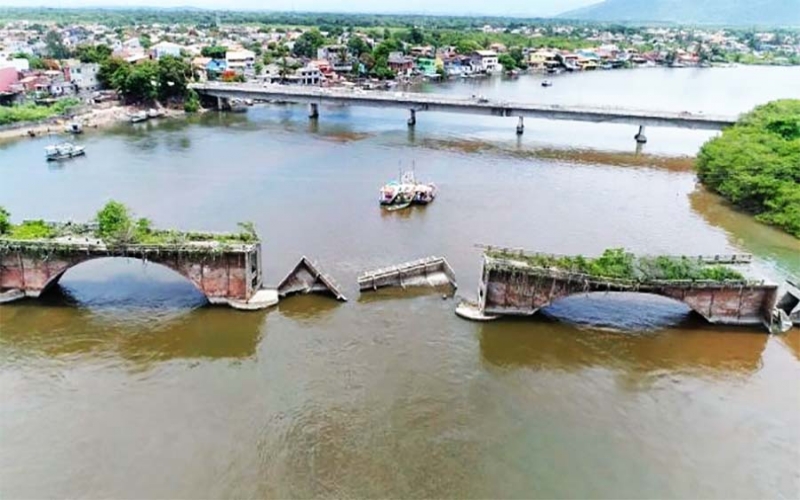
[[105, 75], [284, 69], [33, 61], [173, 76], [383, 49], [93, 53], [466, 47], [415, 36], [507, 61], [116, 224], [756, 164], [214, 52], [357, 46], [192, 102], [5, 220], [141, 83], [145, 41], [54, 46], [308, 43]]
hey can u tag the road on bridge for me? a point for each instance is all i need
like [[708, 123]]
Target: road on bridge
[[475, 105]]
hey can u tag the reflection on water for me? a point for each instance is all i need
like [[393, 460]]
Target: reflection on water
[[701, 351], [781, 249]]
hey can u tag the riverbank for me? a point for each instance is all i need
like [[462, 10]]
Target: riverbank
[[98, 117]]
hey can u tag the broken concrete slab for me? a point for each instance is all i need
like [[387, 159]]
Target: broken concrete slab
[[306, 277], [430, 271]]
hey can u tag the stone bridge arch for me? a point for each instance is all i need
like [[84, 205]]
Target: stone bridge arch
[[224, 275], [511, 292]]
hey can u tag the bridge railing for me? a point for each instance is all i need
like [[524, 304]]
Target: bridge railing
[[479, 101]]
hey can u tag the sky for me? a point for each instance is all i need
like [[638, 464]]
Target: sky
[[532, 8]]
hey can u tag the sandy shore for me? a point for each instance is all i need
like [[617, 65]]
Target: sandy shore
[[96, 118]]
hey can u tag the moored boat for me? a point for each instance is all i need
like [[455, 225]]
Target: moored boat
[[63, 151], [154, 113], [139, 117], [397, 195], [547, 83]]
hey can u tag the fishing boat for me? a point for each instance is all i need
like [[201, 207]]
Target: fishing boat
[[139, 117], [397, 195], [547, 83], [74, 128], [238, 106], [63, 151]]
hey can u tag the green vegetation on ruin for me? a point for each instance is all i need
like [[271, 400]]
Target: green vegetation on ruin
[[616, 263], [756, 164], [115, 224]]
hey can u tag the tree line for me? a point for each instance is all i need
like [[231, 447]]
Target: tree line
[[756, 164]]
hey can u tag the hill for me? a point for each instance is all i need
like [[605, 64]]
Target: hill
[[720, 12]]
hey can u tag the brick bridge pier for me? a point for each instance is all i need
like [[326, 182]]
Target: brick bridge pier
[[226, 273]]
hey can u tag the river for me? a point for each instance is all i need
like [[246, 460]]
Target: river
[[122, 385]]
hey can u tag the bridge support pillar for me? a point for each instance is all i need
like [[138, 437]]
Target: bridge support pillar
[[219, 103], [313, 111], [520, 126], [640, 137], [412, 117]]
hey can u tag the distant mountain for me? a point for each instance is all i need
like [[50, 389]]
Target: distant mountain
[[722, 12]]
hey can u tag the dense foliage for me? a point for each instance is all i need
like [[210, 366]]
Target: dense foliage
[[756, 164], [33, 112], [146, 81], [618, 264]]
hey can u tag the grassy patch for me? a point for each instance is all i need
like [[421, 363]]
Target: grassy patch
[[616, 263]]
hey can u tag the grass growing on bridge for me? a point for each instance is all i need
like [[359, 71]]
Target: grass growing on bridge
[[618, 264], [116, 225]]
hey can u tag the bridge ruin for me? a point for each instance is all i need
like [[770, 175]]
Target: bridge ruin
[[516, 283], [225, 273]]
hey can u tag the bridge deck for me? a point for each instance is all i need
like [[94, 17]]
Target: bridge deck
[[453, 104]]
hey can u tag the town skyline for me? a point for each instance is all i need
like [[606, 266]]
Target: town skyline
[[533, 8]]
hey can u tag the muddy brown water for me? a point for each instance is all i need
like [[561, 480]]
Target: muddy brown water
[[122, 385]]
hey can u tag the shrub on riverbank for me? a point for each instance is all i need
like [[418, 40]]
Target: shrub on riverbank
[[756, 164], [34, 112]]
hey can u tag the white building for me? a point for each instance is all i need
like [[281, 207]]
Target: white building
[[485, 60], [162, 49], [241, 60], [84, 75]]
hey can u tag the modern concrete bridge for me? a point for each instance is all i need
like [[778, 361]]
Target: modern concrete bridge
[[227, 274], [511, 286], [452, 104]]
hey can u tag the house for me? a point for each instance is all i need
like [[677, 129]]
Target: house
[[83, 75], [162, 49], [242, 61], [485, 61], [542, 60], [9, 77], [215, 68], [132, 44], [309, 75], [399, 63], [427, 66]]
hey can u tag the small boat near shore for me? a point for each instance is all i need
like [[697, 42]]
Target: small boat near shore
[[547, 83], [397, 195], [139, 117], [63, 151], [154, 113]]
